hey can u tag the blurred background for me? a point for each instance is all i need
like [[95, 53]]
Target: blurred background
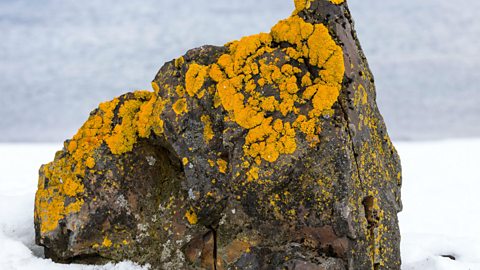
[[60, 58]]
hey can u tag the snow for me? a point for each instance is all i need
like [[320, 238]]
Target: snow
[[440, 216], [19, 164]]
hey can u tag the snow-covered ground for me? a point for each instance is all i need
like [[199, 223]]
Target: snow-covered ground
[[441, 214], [440, 196], [19, 164]]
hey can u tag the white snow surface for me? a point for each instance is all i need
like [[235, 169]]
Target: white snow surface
[[440, 215]]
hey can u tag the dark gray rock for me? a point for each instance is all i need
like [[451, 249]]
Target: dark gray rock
[[268, 153]]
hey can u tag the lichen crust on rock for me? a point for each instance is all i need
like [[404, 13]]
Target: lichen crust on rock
[[268, 152]]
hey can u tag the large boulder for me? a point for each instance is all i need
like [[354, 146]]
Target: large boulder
[[267, 153]]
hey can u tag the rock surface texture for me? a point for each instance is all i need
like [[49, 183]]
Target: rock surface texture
[[267, 153]]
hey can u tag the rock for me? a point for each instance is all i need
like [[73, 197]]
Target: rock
[[267, 153]]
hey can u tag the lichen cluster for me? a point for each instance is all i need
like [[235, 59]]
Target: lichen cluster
[[305, 4], [271, 98], [245, 74], [269, 122], [137, 117]]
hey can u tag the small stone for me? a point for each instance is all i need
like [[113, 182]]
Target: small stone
[[451, 257], [151, 160], [191, 195]]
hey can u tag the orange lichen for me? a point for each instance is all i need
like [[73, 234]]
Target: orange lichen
[[72, 187], [180, 90], [222, 165], [216, 73], [140, 115], [90, 162], [208, 133], [50, 200], [180, 107], [211, 162], [252, 174], [155, 87], [337, 2], [63, 173], [301, 5], [149, 117], [262, 86], [240, 93], [123, 136], [106, 242], [191, 217], [195, 78], [179, 62], [269, 141]]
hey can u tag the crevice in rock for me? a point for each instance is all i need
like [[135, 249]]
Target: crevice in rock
[[350, 137], [90, 259], [215, 247]]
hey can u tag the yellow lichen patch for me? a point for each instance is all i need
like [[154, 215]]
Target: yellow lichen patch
[[374, 225], [180, 107], [243, 49], [195, 78], [155, 87], [191, 217], [179, 62], [211, 162], [309, 127], [180, 90], [360, 96], [306, 80], [90, 162], [62, 179], [149, 117], [208, 133], [240, 92], [324, 98], [337, 2], [49, 211], [259, 93], [50, 201], [301, 5], [269, 141], [222, 165], [216, 73], [71, 187], [106, 242], [252, 174], [124, 136]]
